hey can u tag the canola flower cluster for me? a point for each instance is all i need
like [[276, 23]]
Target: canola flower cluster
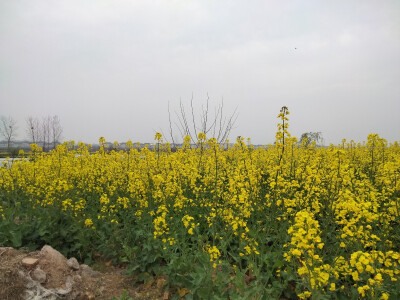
[[331, 214]]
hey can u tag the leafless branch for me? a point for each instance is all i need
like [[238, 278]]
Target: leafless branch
[[216, 126], [33, 129], [170, 126]]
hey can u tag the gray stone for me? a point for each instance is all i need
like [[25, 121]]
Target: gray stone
[[73, 263], [53, 254], [39, 275]]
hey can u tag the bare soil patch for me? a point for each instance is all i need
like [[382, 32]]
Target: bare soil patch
[[47, 274]]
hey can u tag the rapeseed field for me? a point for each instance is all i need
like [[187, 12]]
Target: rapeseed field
[[285, 221]]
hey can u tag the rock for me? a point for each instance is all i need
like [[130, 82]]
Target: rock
[[73, 263], [77, 278], [53, 254], [30, 262], [39, 275], [88, 272]]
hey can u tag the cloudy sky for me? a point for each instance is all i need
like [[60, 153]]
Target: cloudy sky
[[110, 68]]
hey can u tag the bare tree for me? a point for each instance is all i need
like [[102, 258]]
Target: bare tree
[[46, 132], [215, 125], [308, 137], [56, 130], [33, 129], [8, 130]]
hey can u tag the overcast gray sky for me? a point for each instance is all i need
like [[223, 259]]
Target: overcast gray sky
[[109, 68]]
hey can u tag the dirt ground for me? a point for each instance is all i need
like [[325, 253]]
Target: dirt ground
[[47, 274]]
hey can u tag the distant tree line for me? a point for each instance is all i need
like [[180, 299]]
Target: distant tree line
[[45, 131]]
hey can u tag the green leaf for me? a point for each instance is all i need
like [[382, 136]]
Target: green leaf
[[204, 292], [16, 239], [43, 231], [189, 296], [63, 232]]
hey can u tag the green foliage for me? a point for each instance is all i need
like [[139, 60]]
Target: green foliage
[[124, 296], [37, 228]]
